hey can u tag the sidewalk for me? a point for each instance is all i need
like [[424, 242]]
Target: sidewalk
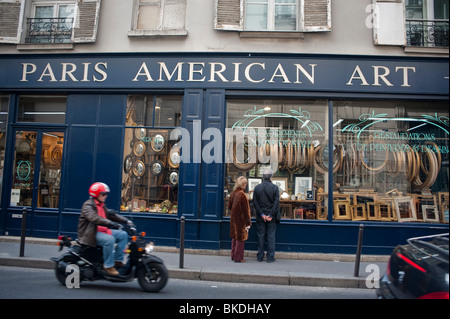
[[300, 269]]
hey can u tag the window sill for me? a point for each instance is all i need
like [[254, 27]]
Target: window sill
[[157, 33], [271, 34], [427, 50], [50, 46]]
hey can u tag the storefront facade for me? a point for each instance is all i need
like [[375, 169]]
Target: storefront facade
[[170, 133]]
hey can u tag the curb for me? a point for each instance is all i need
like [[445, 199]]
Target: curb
[[225, 252]]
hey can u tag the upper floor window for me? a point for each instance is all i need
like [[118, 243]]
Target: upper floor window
[[427, 23], [48, 22], [158, 17], [414, 24], [51, 23], [273, 15]]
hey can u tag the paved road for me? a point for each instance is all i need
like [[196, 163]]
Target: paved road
[[27, 283]]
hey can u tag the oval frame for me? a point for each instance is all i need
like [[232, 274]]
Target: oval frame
[[139, 171]]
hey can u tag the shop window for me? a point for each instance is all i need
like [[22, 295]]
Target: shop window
[[4, 101], [159, 17], [46, 167], [42, 109], [394, 163], [151, 159], [290, 136], [273, 15]]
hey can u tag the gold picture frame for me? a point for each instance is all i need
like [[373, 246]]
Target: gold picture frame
[[342, 210]]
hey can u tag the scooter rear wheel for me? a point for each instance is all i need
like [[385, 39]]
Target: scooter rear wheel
[[154, 280]]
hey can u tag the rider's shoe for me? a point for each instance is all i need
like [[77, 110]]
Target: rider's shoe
[[111, 271], [118, 264]]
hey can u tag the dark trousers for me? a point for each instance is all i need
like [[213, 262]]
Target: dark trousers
[[266, 231], [237, 250]]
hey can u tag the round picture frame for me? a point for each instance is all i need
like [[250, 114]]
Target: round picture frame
[[140, 133], [139, 149], [127, 163], [173, 178], [139, 168], [174, 157], [157, 142], [156, 167]]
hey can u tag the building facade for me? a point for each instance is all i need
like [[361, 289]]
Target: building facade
[[168, 107]]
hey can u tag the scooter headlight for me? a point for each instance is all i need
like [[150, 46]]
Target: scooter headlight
[[149, 248]]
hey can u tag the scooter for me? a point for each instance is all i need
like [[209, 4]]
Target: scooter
[[150, 270]]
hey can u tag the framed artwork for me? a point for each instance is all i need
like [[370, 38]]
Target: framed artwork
[[310, 194], [302, 184], [281, 183], [252, 182]]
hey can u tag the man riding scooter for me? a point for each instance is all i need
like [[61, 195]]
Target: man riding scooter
[[99, 226]]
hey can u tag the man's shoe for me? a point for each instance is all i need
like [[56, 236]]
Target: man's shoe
[[270, 260], [118, 264], [111, 271]]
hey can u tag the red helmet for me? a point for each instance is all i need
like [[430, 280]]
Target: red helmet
[[98, 188]]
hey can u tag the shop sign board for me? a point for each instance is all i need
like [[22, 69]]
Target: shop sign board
[[318, 73]]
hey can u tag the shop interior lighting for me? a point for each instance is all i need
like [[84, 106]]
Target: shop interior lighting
[[413, 128], [304, 124], [44, 113], [338, 122]]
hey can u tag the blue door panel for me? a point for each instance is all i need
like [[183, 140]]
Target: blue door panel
[[190, 172], [79, 166], [82, 109], [108, 161], [212, 170], [112, 109]]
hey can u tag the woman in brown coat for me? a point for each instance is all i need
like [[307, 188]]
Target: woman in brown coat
[[240, 221]]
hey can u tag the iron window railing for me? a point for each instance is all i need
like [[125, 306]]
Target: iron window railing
[[49, 30], [427, 33]]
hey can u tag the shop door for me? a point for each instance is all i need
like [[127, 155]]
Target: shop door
[[37, 170]]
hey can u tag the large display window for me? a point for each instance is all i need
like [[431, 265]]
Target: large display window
[[390, 158], [290, 136], [395, 163], [151, 160]]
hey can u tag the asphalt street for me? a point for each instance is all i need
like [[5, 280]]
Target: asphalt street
[[32, 283]]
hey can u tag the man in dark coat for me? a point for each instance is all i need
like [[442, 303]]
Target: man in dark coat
[[266, 199]]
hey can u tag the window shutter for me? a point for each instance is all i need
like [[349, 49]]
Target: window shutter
[[229, 15], [389, 23], [86, 24], [316, 15], [11, 17], [174, 15]]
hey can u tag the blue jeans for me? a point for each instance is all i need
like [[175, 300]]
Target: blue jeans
[[108, 242]]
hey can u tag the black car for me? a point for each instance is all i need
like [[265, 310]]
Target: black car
[[417, 270]]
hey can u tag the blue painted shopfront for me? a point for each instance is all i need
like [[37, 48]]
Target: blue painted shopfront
[[97, 87]]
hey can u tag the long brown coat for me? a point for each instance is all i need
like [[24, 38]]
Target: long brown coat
[[240, 215]]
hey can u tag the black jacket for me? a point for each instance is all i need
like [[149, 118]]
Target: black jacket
[[266, 200]]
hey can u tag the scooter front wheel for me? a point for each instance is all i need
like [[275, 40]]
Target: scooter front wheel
[[154, 279]]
